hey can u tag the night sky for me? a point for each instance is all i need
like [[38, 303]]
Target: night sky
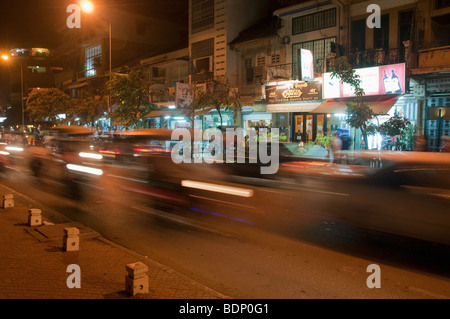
[[35, 23]]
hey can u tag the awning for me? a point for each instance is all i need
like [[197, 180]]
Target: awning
[[380, 104]]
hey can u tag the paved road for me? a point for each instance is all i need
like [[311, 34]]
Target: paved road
[[322, 259]]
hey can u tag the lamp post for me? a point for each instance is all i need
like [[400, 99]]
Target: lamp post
[[6, 58], [88, 7]]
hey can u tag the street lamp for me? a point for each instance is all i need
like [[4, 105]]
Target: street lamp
[[88, 7], [6, 58]]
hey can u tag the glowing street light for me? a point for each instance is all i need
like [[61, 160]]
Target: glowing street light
[[87, 6]]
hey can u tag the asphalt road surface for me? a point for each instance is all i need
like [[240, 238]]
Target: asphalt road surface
[[234, 251]]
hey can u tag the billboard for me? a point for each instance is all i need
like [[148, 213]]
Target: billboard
[[378, 80], [290, 91], [183, 95], [307, 65]]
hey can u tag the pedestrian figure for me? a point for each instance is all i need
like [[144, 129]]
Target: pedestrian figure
[[336, 146]]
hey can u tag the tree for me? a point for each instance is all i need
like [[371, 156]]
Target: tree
[[359, 113], [132, 95], [46, 104], [399, 128], [87, 110], [225, 96]]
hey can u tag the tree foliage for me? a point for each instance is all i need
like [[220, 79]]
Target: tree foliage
[[224, 96], [131, 93], [46, 104], [87, 110]]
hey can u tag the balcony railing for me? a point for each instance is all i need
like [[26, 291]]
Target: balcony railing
[[434, 57], [202, 77], [374, 57]]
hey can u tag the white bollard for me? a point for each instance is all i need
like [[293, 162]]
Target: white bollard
[[136, 282], [34, 217], [71, 240], [8, 201]]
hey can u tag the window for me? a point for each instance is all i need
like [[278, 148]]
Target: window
[[381, 35], [320, 49], [93, 58], [202, 15], [358, 35], [248, 63], [261, 60], [275, 59], [314, 21], [203, 65], [405, 19], [202, 48]]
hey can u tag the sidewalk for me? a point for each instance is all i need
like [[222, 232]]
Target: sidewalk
[[33, 264]]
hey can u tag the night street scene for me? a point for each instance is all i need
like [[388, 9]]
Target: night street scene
[[225, 157]]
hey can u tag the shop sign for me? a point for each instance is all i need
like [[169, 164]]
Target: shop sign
[[378, 80], [307, 64], [291, 91]]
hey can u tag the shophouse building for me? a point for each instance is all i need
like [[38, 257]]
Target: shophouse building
[[329, 29], [432, 71], [213, 25]]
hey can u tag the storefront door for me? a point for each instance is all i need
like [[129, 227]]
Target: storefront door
[[308, 126]]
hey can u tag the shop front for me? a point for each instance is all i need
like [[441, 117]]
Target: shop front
[[383, 87], [291, 103]]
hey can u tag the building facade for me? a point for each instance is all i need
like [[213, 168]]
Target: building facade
[[29, 69]]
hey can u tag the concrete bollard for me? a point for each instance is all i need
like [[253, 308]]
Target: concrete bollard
[[136, 282], [34, 217], [8, 201], [71, 240]]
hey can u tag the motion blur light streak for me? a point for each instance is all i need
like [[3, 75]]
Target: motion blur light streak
[[84, 169], [218, 188], [109, 152], [91, 155], [14, 148]]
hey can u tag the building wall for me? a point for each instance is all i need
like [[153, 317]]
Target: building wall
[[230, 17], [339, 30]]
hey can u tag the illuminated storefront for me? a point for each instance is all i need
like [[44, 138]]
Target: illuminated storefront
[[383, 87], [290, 103]]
